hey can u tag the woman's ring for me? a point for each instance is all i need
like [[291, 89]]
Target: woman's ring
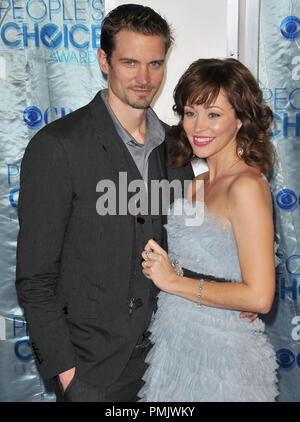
[[147, 254]]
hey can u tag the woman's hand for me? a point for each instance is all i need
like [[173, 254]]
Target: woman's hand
[[158, 268], [250, 315]]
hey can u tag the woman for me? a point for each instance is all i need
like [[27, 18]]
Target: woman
[[203, 350]]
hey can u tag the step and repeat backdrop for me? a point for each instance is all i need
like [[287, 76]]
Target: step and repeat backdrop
[[279, 77], [48, 68]]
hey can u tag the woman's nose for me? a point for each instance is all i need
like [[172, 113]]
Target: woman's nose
[[201, 123]]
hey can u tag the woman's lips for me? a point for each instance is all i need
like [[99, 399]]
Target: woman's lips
[[201, 141]]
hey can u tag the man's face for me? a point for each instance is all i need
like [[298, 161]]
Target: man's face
[[136, 68]]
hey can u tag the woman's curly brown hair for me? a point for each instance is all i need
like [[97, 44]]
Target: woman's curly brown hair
[[201, 84]]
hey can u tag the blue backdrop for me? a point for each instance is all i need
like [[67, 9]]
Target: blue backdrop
[[279, 76], [48, 67]]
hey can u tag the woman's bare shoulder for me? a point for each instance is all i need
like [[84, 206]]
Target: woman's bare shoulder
[[249, 188]]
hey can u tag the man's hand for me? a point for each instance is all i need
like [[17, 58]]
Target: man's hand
[[250, 315], [66, 377]]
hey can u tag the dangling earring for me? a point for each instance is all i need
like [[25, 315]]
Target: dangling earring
[[240, 152]]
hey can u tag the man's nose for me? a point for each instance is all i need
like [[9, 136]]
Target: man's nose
[[143, 75]]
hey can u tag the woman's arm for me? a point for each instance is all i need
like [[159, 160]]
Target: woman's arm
[[250, 213]]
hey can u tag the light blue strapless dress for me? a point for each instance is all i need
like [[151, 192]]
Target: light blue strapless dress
[[206, 354]]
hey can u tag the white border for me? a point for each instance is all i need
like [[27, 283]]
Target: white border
[[108, 6], [233, 7]]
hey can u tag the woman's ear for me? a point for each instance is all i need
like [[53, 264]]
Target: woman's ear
[[239, 124]]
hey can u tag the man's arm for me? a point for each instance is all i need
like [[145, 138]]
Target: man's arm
[[44, 207]]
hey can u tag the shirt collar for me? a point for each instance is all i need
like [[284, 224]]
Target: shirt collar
[[155, 132]]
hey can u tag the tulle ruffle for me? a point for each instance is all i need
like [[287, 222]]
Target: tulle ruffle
[[207, 354]]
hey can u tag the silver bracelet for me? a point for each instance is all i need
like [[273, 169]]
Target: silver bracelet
[[199, 292]]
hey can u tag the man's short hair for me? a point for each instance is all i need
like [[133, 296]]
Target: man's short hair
[[136, 18]]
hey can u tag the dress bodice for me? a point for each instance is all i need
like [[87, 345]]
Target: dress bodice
[[200, 242]]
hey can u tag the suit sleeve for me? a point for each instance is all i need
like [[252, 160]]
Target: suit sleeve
[[44, 207]]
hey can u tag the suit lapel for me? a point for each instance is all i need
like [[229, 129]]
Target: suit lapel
[[110, 142], [120, 158]]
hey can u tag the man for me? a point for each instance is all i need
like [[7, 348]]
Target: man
[[79, 275]]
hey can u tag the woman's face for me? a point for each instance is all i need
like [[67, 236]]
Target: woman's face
[[211, 129]]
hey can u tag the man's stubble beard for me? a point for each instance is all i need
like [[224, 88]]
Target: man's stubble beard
[[140, 105]]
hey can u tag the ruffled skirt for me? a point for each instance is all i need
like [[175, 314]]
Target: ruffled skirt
[[207, 355]]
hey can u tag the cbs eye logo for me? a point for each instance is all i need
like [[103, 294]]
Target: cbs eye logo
[[287, 200], [290, 27], [35, 118], [286, 359]]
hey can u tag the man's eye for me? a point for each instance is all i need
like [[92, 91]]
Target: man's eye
[[155, 64]]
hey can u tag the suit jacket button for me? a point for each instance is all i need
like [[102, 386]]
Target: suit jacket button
[[138, 303], [140, 220], [134, 304]]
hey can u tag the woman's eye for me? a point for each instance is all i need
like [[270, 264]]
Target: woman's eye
[[213, 115], [189, 113]]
